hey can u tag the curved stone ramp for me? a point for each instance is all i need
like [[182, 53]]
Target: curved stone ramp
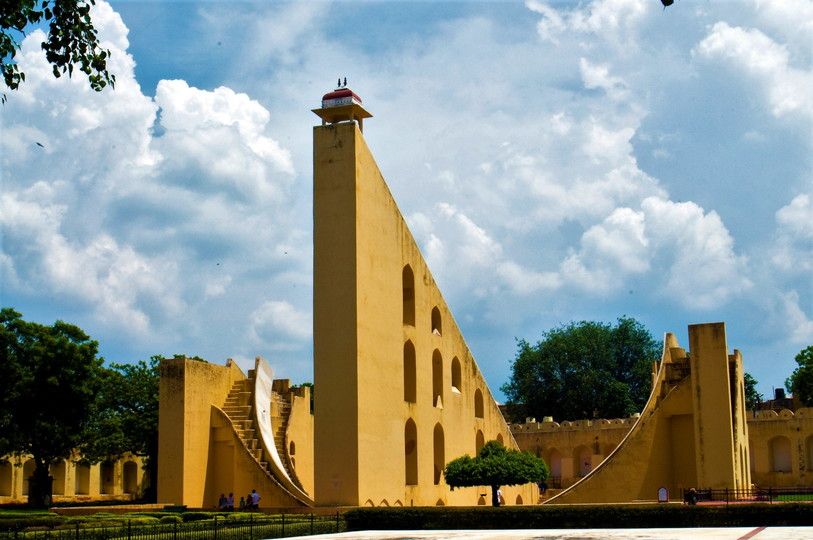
[[633, 470], [263, 394], [273, 492]]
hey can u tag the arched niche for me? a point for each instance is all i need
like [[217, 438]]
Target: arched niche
[[479, 442], [410, 373], [457, 376], [410, 453], [408, 286], [130, 477], [478, 403], [779, 448], [437, 323], [437, 379], [439, 453]]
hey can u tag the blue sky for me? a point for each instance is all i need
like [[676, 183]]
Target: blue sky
[[555, 161]]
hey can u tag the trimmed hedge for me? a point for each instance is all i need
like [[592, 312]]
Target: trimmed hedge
[[581, 517]]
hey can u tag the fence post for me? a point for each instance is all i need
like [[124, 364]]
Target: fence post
[[129, 529], [215, 528], [337, 521], [251, 527], [174, 530], [77, 532], [311, 523], [283, 524]]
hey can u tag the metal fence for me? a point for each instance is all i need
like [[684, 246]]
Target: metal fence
[[769, 495], [261, 526]]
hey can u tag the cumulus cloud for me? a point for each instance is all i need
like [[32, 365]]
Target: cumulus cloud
[[690, 250], [793, 240], [615, 21], [799, 325], [278, 325], [129, 203], [759, 56]]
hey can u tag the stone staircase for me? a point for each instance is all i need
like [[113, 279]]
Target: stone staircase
[[283, 406], [238, 408]]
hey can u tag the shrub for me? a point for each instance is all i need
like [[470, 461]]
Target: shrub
[[567, 517], [171, 519]]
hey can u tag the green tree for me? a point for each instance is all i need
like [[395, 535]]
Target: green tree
[[71, 40], [583, 370], [752, 397], [49, 377], [800, 382], [125, 416], [495, 466]]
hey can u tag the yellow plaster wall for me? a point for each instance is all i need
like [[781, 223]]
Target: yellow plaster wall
[[187, 391], [300, 432], [361, 245], [764, 428]]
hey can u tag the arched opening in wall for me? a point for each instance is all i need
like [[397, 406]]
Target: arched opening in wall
[[437, 324], [408, 285], [292, 448], [5, 479], [519, 500], [457, 377], [106, 477], [499, 439], [808, 452], [479, 442], [780, 454], [410, 370], [57, 471], [383, 503], [410, 453], [582, 460], [437, 379], [439, 453], [440, 503], [81, 484], [481, 501], [478, 403], [555, 463], [28, 472], [130, 474]]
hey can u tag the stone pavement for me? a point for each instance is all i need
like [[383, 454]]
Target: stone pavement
[[719, 533]]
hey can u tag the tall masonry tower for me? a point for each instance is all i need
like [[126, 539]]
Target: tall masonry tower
[[397, 391]]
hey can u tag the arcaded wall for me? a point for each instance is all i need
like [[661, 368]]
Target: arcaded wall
[[187, 391]]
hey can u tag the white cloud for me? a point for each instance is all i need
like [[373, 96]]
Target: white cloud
[[799, 325], [792, 251], [689, 252], [615, 21], [276, 324], [749, 49]]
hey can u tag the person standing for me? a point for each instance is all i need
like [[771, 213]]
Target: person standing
[[255, 499], [230, 502]]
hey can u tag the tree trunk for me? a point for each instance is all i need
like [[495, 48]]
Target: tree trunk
[[40, 487], [495, 499]]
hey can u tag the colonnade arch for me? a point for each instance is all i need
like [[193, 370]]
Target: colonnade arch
[[82, 479], [779, 451], [130, 477], [5, 479]]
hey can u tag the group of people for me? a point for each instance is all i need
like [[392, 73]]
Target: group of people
[[249, 502]]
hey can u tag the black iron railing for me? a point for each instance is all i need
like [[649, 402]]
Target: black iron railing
[[261, 526], [771, 494]]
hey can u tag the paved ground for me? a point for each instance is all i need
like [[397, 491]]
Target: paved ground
[[733, 533]]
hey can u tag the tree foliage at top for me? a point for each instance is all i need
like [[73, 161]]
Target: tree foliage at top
[[583, 370], [495, 466], [800, 382], [71, 40], [752, 397], [125, 416], [49, 379]]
